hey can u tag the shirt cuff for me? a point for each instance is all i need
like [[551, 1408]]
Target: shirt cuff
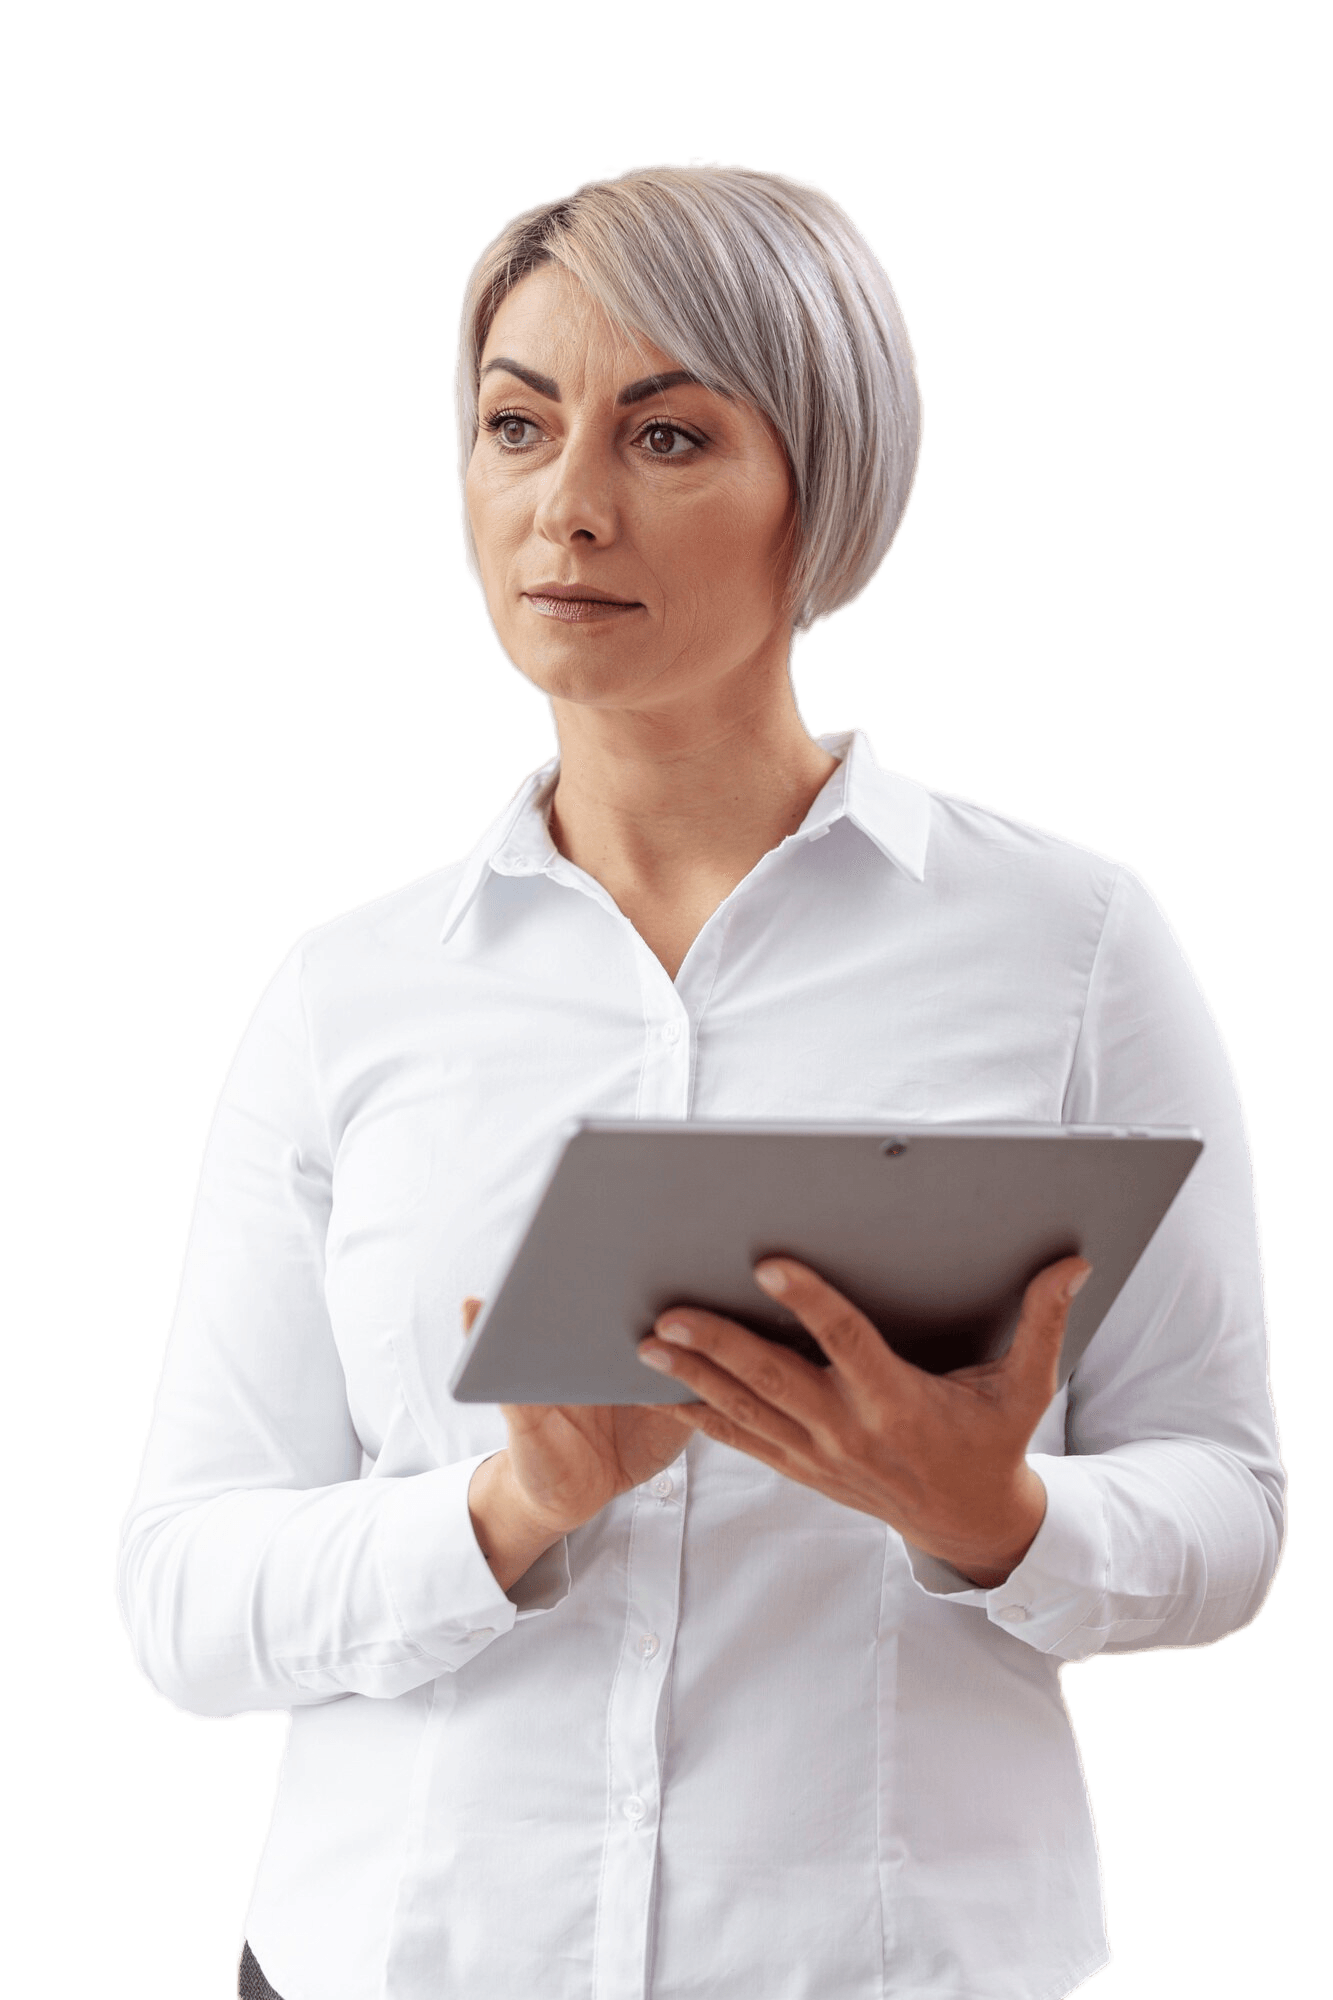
[[443, 1590], [1054, 1593]]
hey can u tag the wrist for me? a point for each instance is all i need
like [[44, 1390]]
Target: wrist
[[993, 1562], [510, 1533]]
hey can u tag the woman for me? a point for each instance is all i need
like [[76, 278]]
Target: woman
[[757, 1695]]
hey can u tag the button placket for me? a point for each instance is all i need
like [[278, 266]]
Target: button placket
[[634, 1773], [664, 1081]]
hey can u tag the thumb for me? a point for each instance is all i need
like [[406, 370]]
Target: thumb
[[1034, 1355], [471, 1307]]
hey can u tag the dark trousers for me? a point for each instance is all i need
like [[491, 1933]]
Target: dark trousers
[[251, 1983]]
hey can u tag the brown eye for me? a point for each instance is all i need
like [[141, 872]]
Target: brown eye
[[507, 427], [668, 441]]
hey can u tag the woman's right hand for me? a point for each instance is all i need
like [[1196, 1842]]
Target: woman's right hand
[[563, 1463]]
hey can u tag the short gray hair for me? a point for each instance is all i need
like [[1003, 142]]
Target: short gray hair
[[762, 288]]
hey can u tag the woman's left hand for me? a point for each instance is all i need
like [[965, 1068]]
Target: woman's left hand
[[939, 1457]]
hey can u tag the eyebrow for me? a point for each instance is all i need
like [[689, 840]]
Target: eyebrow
[[635, 392]]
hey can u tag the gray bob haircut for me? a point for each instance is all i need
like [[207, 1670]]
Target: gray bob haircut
[[763, 289]]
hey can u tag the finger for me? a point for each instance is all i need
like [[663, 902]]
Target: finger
[[726, 1429], [745, 1379], [853, 1344], [1033, 1358], [771, 1370], [471, 1307]]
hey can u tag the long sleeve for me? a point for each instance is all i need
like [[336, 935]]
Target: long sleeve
[[1165, 1517], [594, 1792], [258, 1569]]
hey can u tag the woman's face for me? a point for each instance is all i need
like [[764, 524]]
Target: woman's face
[[599, 468]]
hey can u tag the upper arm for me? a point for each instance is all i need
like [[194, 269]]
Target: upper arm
[[253, 1392], [1182, 1352]]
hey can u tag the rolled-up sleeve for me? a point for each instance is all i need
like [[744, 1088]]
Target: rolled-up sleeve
[[257, 1568], [1164, 1520]]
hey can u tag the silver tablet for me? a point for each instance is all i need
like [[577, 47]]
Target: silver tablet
[[932, 1230]]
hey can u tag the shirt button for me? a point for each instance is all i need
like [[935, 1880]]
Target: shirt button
[[483, 1632], [648, 1645], [1013, 1614], [671, 1032], [663, 1486], [634, 1810]]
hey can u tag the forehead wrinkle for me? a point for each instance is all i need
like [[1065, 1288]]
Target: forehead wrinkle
[[653, 383]]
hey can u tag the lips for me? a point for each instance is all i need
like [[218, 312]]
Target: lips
[[578, 603], [585, 591]]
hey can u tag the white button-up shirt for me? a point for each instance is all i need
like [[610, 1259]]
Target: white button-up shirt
[[729, 1737]]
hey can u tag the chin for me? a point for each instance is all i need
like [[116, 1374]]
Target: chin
[[596, 682]]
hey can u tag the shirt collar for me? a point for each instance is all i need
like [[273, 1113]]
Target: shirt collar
[[891, 811], [517, 843]]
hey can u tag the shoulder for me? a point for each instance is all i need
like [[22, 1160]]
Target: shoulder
[[380, 940], [975, 848]]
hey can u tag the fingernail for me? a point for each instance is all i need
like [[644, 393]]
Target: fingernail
[[653, 1357], [675, 1331], [771, 1276], [1077, 1282]]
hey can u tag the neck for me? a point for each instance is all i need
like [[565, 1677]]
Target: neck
[[670, 808]]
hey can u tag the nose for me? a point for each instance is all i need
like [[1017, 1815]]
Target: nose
[[578, 498]]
